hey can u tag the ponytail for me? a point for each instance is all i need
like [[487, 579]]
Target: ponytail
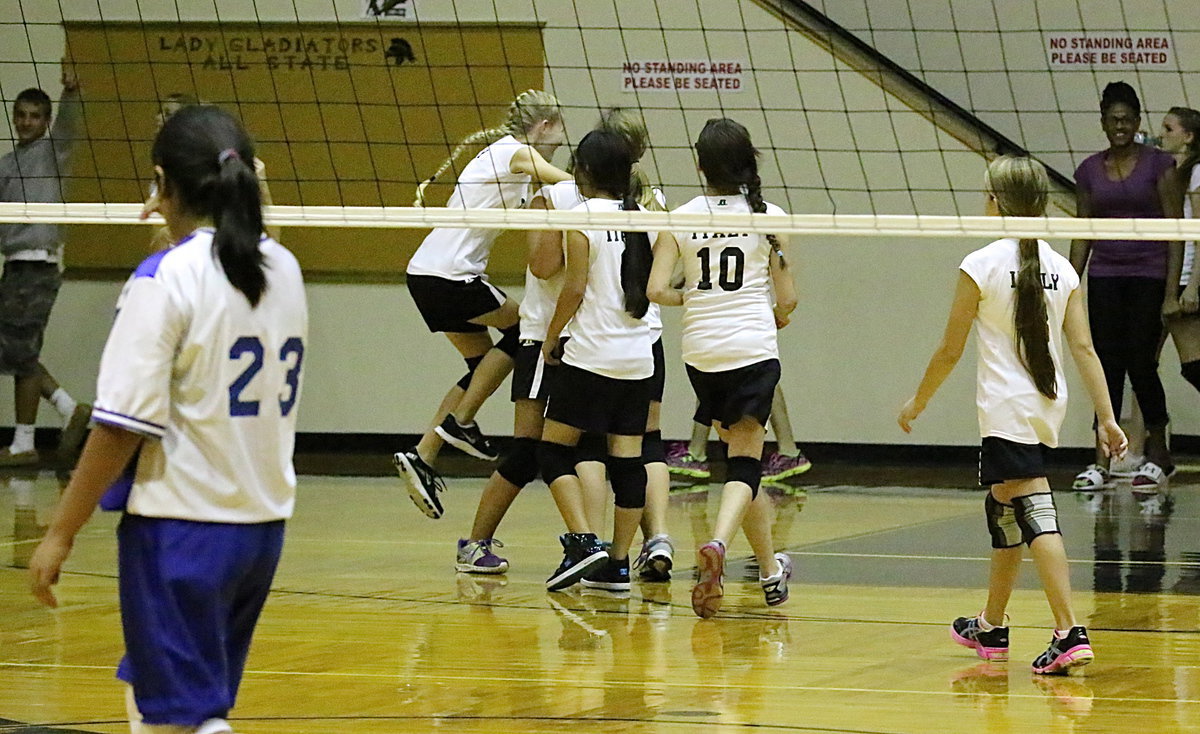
[[635, 265], [752, 190], [482, 137], [207, 161], [1030, 321], [237, 216]]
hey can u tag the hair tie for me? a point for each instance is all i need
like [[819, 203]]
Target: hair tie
[[744, 190], [226, 155]]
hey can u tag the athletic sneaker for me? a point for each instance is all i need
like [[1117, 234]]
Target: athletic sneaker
[[613, 575], [681, 462], [775, 588], [423, 482], [581, 551], [1072, 651], [990, 645], [468, 439], [709, 589], [777, 466], [476, 556], [655, 561]]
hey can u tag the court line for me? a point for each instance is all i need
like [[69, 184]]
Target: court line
[[408, 675]]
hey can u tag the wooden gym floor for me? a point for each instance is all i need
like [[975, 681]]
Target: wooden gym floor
[[370, 630]]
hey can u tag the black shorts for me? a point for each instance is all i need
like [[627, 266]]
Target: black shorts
[[729, 396], [28, 289], [531, 376], [599, 404], [449, 305], [658, 381], [1001, 460]]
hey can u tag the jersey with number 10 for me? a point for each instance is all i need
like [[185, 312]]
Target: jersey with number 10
[[728, 321], [211, 382]]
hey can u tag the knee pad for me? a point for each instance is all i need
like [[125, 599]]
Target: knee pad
[[509, 340], [746, 470], [592, 447], [556, 460], [1036, 515], [652, 448], [520, 467], [472, 365], [1191, 373], [628, 479], [1001, 523]]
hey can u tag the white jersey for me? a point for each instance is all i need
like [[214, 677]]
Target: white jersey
[[1189, 248], [1009, 404], [215, 382], [485, 183], [541, 296], [605, 339], [728, 320]]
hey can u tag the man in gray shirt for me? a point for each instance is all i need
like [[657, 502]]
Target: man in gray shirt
[[33, 172]]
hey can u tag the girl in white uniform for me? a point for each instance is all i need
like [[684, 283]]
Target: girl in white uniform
[[1181, 138], [604, 383], [196, 406], [729, 345], [447, 282], [1023, 298]]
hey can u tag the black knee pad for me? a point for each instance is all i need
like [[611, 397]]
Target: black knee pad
[[592, 447], [520, 467], [556, 460], [746, 470], [628, 479], [652, 448], [1001, 523], [472, 364], [1191, 373], [509, 340], [1036, 515]]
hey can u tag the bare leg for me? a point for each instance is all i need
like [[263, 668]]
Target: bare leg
[[625, 519], [566, 490], [781, 424], [757, 527], [1002, 577], [593, 479], [499, 493], [698, 445], [658, 485], [27, 391], [1048, 554], [492, 370], [470, 344], [745, 438]]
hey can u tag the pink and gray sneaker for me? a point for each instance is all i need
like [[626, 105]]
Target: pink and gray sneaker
[[778, 467], [990, 645], [1070, 651], [709, 589]]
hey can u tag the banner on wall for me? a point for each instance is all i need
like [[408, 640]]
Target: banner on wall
[[389, 9], [1098, 50], [221, 49], [674, 75]]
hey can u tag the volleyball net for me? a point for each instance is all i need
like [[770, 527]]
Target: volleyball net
[[868, 122]]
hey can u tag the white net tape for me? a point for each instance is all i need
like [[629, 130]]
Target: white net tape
[[815, 225]]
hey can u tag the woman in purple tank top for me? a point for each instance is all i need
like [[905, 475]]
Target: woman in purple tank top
[[1131, 284]]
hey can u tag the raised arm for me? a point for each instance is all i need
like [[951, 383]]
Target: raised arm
[[574, 285], [783, 282], [659, 288], [531, 163], [67, 122], [954, 339], [545, 247], [1079, 339]]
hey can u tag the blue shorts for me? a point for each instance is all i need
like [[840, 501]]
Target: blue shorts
[[191, 593]]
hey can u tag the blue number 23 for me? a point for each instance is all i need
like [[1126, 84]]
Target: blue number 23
[[252, 346]]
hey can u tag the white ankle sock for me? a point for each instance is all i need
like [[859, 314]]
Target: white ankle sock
[[22, 439], [985, 625], [63, 403]]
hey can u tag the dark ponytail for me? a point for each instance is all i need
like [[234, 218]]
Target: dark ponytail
[[729, 161], [1021, 187], [207, 161], [1189, 120], [603, 160]]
